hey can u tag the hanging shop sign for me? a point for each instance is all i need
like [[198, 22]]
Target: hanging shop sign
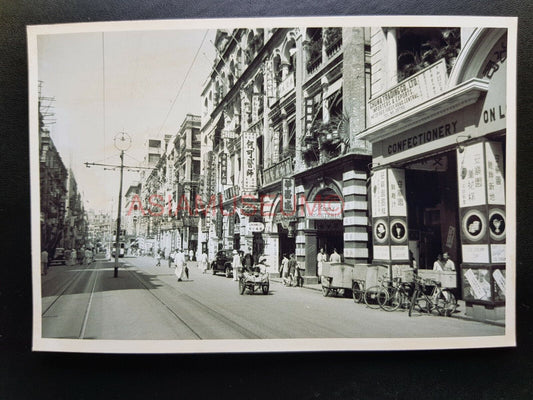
[[379, 194], [495, 178], [223, 162], [471, 176], [288, 195], [249, 161], [309, 107], [411, 92], [397, 203], [269, 78]]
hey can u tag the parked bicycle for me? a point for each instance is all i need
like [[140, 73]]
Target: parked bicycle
[[376, 295], [428, 295], [398, 295]]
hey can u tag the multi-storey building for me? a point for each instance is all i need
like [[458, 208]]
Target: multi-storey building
[[53, 191], [169, 190], [437, 124], [76, 223], [281, 111]]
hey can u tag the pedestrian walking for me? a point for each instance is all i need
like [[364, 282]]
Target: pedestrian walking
[[203, 262], [179, 261], [321, 258], [170, 254], [293, 270], [88, 256], [191, 254], [73, 257], [44, 262], [158, 258], [236, 263], [284, 266]]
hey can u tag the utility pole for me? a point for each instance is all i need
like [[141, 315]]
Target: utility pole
[[117, 236]]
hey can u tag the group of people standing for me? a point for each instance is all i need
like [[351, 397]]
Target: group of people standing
[[291, 271], [246, 261]]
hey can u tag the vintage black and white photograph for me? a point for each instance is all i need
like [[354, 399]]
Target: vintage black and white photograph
[[295, 184]]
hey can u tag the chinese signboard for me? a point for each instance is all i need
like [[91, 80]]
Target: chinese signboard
[[379, 194], [278, 171], [495, 179], [269, 75], [288, 195], [397, 205], [249, 162], [471, 177], [411, 92], [223, 161]]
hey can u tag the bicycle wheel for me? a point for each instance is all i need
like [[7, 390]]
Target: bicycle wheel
[[357, 293], [393, 300], [373, 296], [445, 303]]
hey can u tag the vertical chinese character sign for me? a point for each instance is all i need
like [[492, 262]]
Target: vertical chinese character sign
[[288, 198], [224, 168], [249, 162]]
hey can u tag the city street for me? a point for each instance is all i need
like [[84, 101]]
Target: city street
[[147, 302]]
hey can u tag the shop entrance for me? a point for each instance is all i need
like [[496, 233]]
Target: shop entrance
[[432, 208], [287, 242], [330, 235]]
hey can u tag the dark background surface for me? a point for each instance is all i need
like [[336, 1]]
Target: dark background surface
[[452, 374]]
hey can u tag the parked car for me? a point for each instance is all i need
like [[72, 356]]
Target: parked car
[[222, 262], [59, 256]]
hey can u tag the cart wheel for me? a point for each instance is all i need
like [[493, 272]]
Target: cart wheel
[[265, 288], [325, 291], [227, 271], [242, 286], [357, 293]]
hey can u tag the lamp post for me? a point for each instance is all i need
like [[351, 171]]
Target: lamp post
[[122, 143]]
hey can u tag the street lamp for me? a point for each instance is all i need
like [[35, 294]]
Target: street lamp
[[122, 142]]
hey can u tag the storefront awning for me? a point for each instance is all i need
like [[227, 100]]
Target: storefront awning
[[455, 99]]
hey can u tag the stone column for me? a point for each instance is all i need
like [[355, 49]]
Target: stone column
[[311, 250]]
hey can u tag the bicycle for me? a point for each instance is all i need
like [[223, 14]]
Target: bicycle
[[398, 295], [376, 295], [440, 299]]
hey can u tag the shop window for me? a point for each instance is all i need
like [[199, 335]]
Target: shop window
[[418, 48]]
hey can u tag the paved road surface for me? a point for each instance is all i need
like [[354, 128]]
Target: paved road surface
[[147, 302]]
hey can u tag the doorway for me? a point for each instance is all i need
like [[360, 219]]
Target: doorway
[[432, 208]]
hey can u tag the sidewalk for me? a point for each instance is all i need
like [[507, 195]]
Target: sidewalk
[[460, 312]]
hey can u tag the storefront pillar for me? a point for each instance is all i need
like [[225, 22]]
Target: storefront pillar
[[311, 251], [482, 217]]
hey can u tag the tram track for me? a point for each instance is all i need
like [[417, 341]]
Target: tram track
[[67, 286], [208, 310]]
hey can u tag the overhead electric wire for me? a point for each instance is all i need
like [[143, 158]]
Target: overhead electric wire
[[183, 83]]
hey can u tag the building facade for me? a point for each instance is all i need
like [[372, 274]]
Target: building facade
[[281, 111], [437, 124], [168, 191]]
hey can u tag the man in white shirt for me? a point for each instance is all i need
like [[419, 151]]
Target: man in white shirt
[[236, 263]]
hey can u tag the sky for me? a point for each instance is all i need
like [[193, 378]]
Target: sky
[[106, 83]]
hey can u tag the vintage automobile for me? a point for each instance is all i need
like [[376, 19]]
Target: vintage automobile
[[254, 279], [222, 262]]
